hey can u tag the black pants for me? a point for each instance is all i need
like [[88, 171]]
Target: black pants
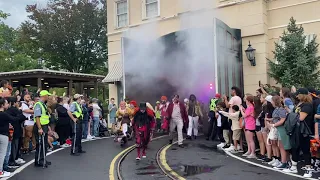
[[76, 137], [41, 144], [305, 148], [63, 130], [14, 150], [212, 129], [220, 134]]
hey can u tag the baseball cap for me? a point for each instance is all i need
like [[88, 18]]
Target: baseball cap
[[44, 93], [302, 91], [77, 96], [311, 90], [158, 102], [143, 106], [269, 98]]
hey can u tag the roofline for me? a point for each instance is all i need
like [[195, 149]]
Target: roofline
[[49, 71]]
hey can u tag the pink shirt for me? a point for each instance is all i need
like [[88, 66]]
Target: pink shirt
[[249, 119]]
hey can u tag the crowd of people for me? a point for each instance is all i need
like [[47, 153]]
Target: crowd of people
[[36, 122], [280, 125]]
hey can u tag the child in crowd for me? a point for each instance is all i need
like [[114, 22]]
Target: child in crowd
[[236, 130], [219, 127], [224, 125]]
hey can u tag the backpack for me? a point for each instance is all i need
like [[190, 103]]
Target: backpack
[[292, 127]]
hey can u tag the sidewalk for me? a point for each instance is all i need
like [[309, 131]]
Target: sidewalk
[[200, 159]]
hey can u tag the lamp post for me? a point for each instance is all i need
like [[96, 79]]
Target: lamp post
[[40, 61], [250, 52]]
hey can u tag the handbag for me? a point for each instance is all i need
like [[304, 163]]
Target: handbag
[[273, 135]]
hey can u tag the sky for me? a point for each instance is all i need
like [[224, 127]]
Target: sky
[[17, 10]]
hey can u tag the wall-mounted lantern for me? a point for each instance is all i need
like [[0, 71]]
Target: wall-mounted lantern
[[250, 52]]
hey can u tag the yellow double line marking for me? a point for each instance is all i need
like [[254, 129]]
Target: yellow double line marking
[[113, 162], [164, 164]]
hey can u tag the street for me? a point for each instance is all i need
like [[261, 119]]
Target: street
[[199, 159]]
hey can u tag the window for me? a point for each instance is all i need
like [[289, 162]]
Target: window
[[309, 38], [122, 13], [152, 8]]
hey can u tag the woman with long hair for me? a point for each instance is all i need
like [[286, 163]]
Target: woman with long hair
[[259, 126], [279, 116], [267, 110], [250, 126], [123, 114], [286, 100], [305, 111]]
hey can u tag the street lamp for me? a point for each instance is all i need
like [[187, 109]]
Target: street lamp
[[250, 52], [40, 63]]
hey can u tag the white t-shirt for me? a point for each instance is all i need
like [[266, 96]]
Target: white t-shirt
[[30, 121], [67, 106], [219, 120], [235, 100]]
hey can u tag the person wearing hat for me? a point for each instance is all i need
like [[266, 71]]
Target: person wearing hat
[[142, 123], [158, 115], [76, 110], [163, 109], [42, 120], [212, 129]]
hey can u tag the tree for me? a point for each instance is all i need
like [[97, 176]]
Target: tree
[[295, 64], [11, 58], [69, 35]]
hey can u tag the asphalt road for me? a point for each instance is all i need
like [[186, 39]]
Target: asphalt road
[[199, 160], [93, 165]]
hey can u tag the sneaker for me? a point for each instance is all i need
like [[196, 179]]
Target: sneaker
[[229, 148], [50, 149], [221, 145], [267, 160], [281, 166], [308, 172], [246, 154], [226, 146], [276, 163], [234, 151], [240, 150], [144, 156], [20, 161], [252, 156], [13, 165], [272, 161], [4, 174], [64, 145], [292, 169], [138, 158]]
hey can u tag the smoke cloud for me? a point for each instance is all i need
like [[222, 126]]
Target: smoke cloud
[[181, 62]]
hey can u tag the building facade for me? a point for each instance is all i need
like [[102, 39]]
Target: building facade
[[261, 22]]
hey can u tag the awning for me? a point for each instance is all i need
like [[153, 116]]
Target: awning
[[115, 73]]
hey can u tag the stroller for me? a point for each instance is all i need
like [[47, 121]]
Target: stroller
[[103, 128], [122, 138]]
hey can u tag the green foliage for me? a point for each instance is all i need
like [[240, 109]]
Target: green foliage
[[296, 63], [11, 56], [68, 35]]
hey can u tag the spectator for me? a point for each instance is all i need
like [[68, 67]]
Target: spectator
[[4, 89], [112, 113], [52, 137], [97, 114], [5, 119], [27, 109], [85, 120], [19, 119]]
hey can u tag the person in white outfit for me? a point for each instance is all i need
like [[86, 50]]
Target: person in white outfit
[[194, 114]]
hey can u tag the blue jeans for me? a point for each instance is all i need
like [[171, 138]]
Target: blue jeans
[[85, 128], [7, 157], [95, 125]]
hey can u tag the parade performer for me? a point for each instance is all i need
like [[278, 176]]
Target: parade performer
[[151, 112], [178, 117], [158, 116], [123, 114], [142, 127], [163, 109], [194, 114]]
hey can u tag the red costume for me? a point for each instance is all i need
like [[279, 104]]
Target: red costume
[[142, 122]]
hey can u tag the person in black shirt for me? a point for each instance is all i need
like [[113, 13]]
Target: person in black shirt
[[19, 119], [306, 116]]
